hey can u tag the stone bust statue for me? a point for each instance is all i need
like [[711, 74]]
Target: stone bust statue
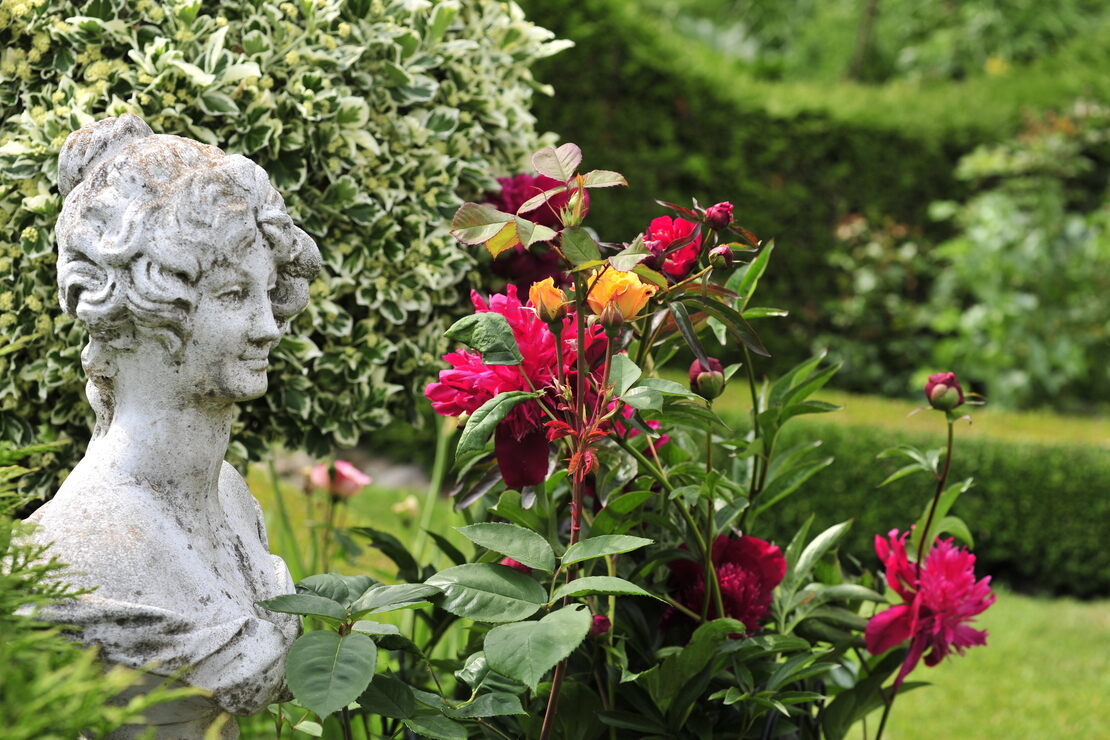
[[184, 265]]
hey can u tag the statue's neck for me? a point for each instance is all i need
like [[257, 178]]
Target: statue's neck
[[175, 451]]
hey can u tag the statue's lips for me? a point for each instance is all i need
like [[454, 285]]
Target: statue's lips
[[256, 362]]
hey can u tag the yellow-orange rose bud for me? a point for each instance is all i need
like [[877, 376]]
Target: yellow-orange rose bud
[[622, 290], [549, 301]]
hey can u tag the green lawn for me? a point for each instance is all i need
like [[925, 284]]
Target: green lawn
[[1044, 673]]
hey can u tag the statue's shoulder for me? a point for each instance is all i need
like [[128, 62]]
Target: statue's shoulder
[[242, 508]]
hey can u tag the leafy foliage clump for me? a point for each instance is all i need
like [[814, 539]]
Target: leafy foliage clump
[[371, 117]]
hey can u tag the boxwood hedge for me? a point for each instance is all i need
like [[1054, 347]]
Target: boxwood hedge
[[374, 118]]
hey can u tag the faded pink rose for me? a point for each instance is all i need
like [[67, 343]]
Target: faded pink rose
[[342, 479], [939, 603]]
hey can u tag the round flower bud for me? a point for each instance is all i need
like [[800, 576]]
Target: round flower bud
[[549, 301], [721, 256], [707, 382], [719, 216], [943, 391], [600, 625]]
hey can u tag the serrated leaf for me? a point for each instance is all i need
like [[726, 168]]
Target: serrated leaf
[[341, 589], [540, 198], [603, 179], [388, 696], [526, 651], [558, 163], [487, 332], [596, 547], [305, 605], [630, 256], [520, 544], [482, 423], [388, 598], [436, 726], [579, 247], [623, 373], [476, 223], [488, 593], [327, 671], [495, 704], [609, 585]]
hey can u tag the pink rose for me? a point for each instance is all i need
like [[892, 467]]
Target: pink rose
[[342, 480]]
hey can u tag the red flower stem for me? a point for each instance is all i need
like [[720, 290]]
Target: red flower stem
[[923, 547]]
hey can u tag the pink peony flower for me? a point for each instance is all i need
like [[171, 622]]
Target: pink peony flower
[[748, 570], [719, 216], [939, 603], [520, 445], [345, 483], [665, 231]]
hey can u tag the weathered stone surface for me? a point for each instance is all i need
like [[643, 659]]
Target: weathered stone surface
[[185, 267]]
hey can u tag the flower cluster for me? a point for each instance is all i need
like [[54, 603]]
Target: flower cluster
[[940, 597]]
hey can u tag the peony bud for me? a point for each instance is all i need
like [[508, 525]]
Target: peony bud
[[721, 256], [707, 383], [719, 216], [943, 391], [342, 480], [600, 625], [516, 566], [549, 301]]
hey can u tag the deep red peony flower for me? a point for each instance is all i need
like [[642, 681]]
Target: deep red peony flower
[[938, 606], [665, 231], [519, 441], [748, 569]]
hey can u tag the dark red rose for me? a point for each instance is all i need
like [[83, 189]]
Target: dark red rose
[[748, 570], [719, 216], [943, 391]]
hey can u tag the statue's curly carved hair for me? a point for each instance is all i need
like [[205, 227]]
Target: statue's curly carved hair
[[144, 217]]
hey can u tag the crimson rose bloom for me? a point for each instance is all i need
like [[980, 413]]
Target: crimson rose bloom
[[665, 231], [748, 569], [938, 603]]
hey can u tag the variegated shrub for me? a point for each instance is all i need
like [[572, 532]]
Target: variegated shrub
[[375, 120]]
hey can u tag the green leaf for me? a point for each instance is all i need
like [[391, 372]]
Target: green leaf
[[388, 696], [540, 198], [559, 164], [305, 604], [603, 179], [749, 278], [436, 726], [686, 329], [486, 592], [386, 636], [579, 247], [518, 543], [789, 481], [326, 671], [643, 399], [477, 223], [815, 550], [944, 503], [388, 598], [526, 651], [649, 275], [481, 424], [496, 704], [445, 546], [630, 256], [392, 548], [599, 585], [956, 527], [487, 332], [623, 372], [734, 323], [217, 104], [596, 547], [341, 589]]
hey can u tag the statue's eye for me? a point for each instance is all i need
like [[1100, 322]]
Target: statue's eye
[[232, 295]]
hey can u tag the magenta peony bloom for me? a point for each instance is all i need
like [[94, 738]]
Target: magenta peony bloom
[[938, 606], [346, 481], [719, 216], [665, 231], [520, 446], [943, 391], [748, 570]]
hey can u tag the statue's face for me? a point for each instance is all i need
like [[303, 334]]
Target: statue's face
[[233, 329]]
